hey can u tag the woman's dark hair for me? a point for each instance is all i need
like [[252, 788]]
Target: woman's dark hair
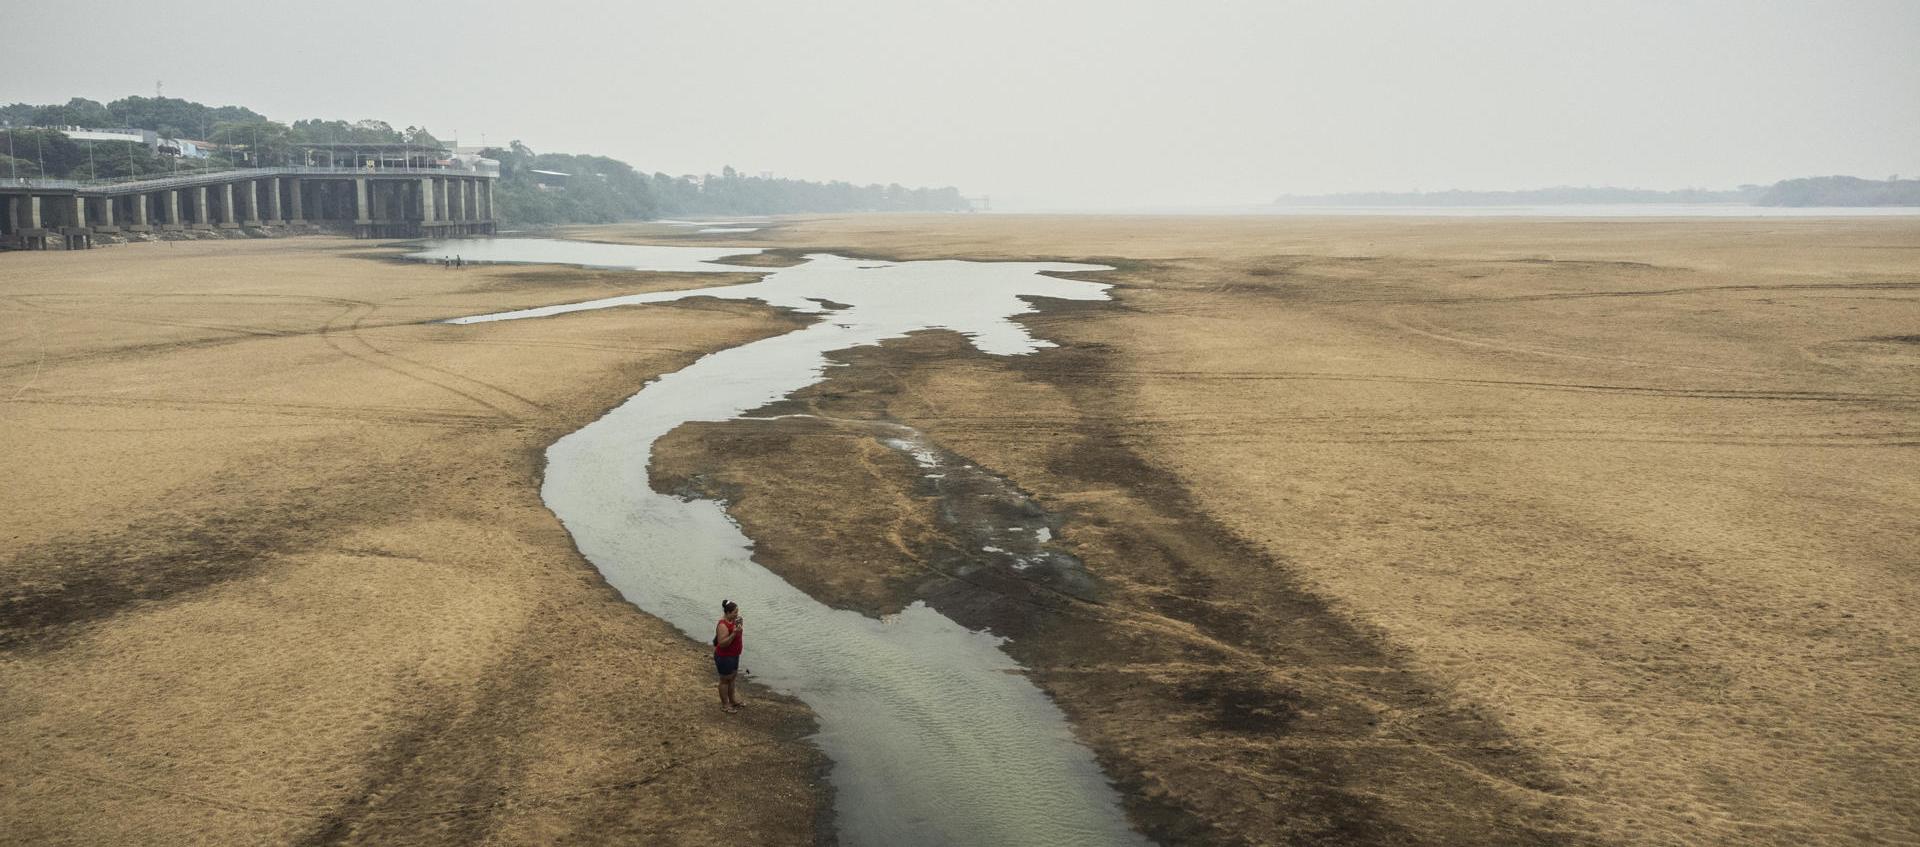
[[728, 605]]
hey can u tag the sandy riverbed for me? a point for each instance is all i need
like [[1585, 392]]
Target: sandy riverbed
[[1431, 531], [276, 569], [1443, 531]]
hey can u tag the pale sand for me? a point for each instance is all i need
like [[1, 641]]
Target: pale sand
[[298, 585], [1642, 493], [276, 569]]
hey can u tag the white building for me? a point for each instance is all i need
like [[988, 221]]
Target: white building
[[138, 136]]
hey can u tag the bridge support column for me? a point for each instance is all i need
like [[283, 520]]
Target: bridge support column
[[363, 212], [170, 209], [229, 216], [28, 224], [141, 218], [297, 214], [273, 217], [249, 191], [102, 214], [427, 192], [202, 216]]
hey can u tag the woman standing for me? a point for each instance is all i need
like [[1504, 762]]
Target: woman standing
[[728, 637]]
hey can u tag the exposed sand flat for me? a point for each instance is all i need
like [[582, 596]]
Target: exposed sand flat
[[1637, 496], [1435, 531], [276, 570]]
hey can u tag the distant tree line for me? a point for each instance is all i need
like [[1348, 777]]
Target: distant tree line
[[168, 116], [597, 189], [1556, 196], [1812, 191], [1843, 191]]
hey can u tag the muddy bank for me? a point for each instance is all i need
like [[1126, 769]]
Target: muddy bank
[[281, 573], [1231, 706], [1643, 489]]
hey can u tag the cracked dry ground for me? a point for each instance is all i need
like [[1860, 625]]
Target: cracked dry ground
[[1442, 532]]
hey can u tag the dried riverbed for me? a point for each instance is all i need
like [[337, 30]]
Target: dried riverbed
[[935, 736]]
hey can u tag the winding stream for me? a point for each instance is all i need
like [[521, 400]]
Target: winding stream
[[935, 734]]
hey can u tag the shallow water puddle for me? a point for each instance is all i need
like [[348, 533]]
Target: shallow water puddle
[[935, 736]]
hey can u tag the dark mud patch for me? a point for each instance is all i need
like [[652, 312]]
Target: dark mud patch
[[1590, 264], [60, 587], [592, 283], [995, 555], [1227, 702], [1239, 706], [207, 536], [779, 257]]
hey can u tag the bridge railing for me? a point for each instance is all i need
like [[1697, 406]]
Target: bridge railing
[[123, 185]]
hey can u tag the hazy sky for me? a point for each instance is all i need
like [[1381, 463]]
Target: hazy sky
[[1057, 104]]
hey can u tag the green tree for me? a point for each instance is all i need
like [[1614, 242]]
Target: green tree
[[262, 143], [177, 118], [113, 159], [420, 135], [78, 111], [54, 154]]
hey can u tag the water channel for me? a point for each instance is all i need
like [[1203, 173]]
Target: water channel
[[936, 736]]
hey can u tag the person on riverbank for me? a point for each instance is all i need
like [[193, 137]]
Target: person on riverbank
[[728, 640]]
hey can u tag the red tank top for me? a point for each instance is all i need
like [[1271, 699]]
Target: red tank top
[[731, 648]]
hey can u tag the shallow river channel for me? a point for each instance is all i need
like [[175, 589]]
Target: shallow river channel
[[936, 736]]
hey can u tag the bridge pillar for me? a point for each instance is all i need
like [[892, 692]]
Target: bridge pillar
[[202, 216], [102, 217], [363, 218], [427, 191], [170, 209], [297, 215], [28, 225], [79, 220], [273, 202], [229, 216], [249, 190]]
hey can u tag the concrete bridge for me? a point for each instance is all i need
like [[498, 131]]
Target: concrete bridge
[[404, 202]]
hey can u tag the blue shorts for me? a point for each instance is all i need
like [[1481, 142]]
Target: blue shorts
[[726, 665]]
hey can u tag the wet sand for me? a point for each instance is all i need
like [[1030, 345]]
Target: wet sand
[[1413, 531], [1402, 531], [276, 569]]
